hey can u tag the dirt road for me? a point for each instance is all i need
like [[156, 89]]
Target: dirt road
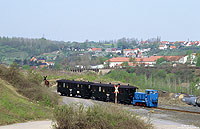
[[29, 125]]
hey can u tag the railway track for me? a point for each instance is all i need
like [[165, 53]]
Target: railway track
[[177, 110]]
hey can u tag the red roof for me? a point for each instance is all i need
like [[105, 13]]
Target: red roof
[[173, 58], [136, 49], [128, 49], [119, 59], [33, 59], [96, 49], [42, 66], [173, 47], [150, 59], [165, 42]]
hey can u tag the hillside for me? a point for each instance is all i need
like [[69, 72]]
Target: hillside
[[12, 49], [16, 108]]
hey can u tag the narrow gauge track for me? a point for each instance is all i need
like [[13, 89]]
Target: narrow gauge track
[[176, 110]]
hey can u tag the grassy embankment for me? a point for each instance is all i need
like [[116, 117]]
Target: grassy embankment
[[22, 98], [16, 108]]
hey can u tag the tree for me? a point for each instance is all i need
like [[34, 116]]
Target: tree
[[125, 64], [132, 59], [161, 60], [198, 61]]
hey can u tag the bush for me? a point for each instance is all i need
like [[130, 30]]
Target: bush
[[96, 117]]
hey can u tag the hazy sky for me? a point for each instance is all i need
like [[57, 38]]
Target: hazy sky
[[78, 20]]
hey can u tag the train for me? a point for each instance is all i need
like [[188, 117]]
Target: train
[[107, 92]]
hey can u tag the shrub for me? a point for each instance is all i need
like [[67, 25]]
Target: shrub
[[96, 117]]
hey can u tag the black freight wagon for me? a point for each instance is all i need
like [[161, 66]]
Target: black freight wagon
[[105, 92], [74, 88]]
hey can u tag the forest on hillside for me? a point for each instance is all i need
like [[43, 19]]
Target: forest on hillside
[[22, 48]]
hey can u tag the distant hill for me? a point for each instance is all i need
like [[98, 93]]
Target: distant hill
[[22, 48]]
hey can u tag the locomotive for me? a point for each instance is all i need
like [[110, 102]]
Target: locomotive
[[147, 99], [106, 92]]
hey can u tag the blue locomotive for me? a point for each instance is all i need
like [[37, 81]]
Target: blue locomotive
[[147, 99]]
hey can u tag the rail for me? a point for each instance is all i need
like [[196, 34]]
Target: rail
[[176, 110]]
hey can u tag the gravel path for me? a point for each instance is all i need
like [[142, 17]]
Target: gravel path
[[29, 125]]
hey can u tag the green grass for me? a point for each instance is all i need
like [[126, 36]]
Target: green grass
[[16, 108]]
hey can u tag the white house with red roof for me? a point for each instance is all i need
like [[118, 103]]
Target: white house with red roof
[[147, 61], [165, 42], [162, 47], [116, 61], [131, 52], [94, 49], [172, 47]]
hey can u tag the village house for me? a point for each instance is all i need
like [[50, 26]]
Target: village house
[[131, 52], [165, 42], [94, 49], [115, 61], [162, 47], [172, 47], [118, 51], [33, 59], [147, 61], [128, 52], [176, 59]]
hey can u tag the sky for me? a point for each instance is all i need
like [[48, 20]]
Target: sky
[[78, 20]]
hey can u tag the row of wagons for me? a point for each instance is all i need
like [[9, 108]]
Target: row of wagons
[[96, 91]]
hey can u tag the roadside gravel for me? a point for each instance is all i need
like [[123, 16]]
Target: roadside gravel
[[30, 125]]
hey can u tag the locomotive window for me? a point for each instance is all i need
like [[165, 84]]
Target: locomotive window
[[77, 85], [88, 86], [99, 89], [63, 84], [81, 86]]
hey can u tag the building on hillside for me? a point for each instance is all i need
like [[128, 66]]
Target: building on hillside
[[108, 50], [128, 52], [41, 61], [131, 52], [144, 42], [148, 61], [50, 63], [101, 66], [176, 59], [162, 47], [165, 42], [115, 61], [118, 51], [95, 49], [33, 59], [172, 47]]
